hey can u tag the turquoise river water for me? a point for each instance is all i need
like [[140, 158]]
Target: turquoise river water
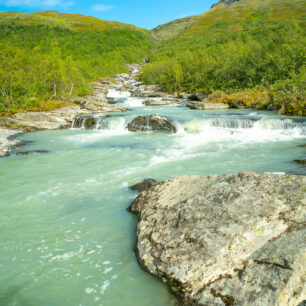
[[65, 235]]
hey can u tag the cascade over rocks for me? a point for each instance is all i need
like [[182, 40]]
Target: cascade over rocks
[[151, 123], [236, 239], [88, 121]]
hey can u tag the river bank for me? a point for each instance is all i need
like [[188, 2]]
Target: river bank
[[101, 103]]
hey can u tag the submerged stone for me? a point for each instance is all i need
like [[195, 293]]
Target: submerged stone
[[32, 152], [301, 161], [144, 185]]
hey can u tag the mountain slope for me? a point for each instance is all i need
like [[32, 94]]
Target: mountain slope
[[52, 56], [239, 46], [172, 29], [68, 21]]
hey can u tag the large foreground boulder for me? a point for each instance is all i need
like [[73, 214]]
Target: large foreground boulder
[[226, 240], [151, 123]]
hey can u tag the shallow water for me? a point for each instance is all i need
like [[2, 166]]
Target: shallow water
[[65, 235]]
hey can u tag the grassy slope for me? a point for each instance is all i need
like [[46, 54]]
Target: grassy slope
[[215, 40], [49, 56], [243, 15], [172, 29]]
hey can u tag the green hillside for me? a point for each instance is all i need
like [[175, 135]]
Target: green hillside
[[172, 29], [49, 57], [243, 51]]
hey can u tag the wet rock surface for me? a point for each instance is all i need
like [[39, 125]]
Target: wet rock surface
[[152, 102], [7, 141], [206, 105], [144, 185], [151, 123], [236, 239], [88, 122]]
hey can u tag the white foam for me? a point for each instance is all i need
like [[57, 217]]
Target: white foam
[[113, 93], [104, 286], [201, 131], [89, 290], [133, 102], [107, 270]]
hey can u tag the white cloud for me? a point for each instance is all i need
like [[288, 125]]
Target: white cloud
[[101, 8], [36, 3]]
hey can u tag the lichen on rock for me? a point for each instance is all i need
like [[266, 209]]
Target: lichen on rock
[[236, 239]]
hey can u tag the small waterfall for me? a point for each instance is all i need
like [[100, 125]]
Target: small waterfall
[[133, 102], [261, 125], [117, 94], [84, 122], [98, 122]]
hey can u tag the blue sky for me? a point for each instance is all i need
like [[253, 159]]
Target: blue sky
[[145, 14]]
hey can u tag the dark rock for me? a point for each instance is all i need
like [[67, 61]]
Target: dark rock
[[89, 123], [111, 100], [151, 123], [301, 161], [23, 143], [198, 96], [145, 185], [32, 152]]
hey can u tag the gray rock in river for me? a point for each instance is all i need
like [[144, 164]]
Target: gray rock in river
[[236, 239], [152, 102], [206, 105], [151, 123]]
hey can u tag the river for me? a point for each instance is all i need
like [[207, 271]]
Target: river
[[65, 235]]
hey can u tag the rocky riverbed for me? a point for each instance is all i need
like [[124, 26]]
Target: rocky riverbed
[[96, 105], [236, 239]]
